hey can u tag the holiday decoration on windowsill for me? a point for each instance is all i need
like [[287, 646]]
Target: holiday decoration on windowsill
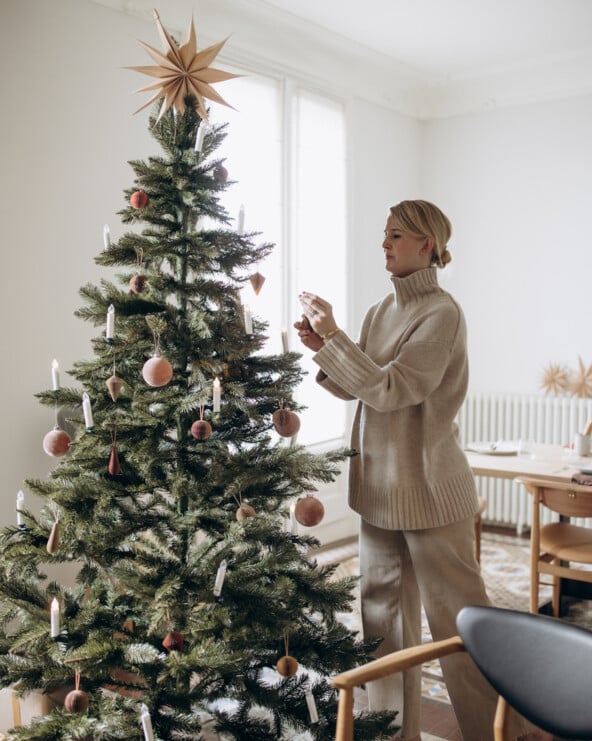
[[559, 380]]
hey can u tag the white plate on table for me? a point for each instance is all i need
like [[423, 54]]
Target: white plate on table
[[499, 447]]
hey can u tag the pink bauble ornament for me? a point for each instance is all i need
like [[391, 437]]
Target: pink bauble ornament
[[309, 511], [287, 666], [201, 429], [157, 371], [139, 199], [56, 442], [137, 283], [286, 422], [76, 701], [220, 174], [244, 512]]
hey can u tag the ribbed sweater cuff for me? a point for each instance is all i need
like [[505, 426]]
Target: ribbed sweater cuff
[[344, 362]]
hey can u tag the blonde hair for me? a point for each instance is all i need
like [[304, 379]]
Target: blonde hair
[[423, 219]]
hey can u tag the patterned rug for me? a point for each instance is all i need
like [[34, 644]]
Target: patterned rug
[[505, 569]]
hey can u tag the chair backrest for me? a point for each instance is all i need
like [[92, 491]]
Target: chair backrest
[[542, 666], [572, 500]]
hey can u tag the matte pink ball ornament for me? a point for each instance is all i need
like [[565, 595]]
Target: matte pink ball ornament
[[157, 371], [56, 442], [286, 422], [309, 511], [76, 701]]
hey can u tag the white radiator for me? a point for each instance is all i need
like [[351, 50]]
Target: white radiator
[[543, 419]]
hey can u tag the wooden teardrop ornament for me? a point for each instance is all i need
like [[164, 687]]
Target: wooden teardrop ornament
[[114, 384], [257, 281], [53, 542]]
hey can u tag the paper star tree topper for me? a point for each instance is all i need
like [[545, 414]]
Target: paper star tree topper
[[183, 71]]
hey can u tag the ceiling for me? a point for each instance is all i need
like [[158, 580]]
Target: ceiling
[[456, 38], [427, 58]]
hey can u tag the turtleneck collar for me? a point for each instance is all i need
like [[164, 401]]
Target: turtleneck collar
[[420, 283]]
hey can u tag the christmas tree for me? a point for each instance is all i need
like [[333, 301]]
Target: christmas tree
[[196, 612]]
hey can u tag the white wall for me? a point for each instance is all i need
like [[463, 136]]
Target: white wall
[[66, 134], [517, 185]]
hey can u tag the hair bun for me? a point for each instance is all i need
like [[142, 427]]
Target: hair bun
[[445, 257]]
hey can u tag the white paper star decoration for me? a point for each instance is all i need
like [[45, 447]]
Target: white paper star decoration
[[183, 71]]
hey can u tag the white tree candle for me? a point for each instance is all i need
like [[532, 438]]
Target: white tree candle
[[110, 329], [240, 228], [310, 702], [55, 375], [220, 576], [20, 503], [55, 618], [87, 411], [285, 345], [106, 236], [199, 139], [216, 394], [248, 319], [147, 724]]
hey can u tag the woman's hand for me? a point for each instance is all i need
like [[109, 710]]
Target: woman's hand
[[308, 336], [318, 312]]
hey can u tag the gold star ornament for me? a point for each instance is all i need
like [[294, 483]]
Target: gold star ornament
[[582, 383], [182, 71]]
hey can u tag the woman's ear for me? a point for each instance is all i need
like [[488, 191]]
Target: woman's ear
[[428, 245]]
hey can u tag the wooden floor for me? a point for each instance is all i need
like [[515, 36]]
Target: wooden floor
[[438, 721]]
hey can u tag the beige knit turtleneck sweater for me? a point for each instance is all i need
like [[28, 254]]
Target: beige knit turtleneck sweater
[[409, 372]]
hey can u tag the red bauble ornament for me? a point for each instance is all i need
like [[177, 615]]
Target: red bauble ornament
[[76, 701], [244, 512], [114, 466], [137, 283], [287, 666], [309, 511], [56, 442], [201, 429], [139, 199], [157, 371], [286, 422], [173, 641]]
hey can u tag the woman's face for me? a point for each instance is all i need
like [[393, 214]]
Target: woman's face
[[403, 252]]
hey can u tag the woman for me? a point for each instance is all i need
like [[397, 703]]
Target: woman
[[411, 483]]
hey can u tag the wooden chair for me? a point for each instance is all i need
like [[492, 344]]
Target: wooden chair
[[540, 666], [557, 548]]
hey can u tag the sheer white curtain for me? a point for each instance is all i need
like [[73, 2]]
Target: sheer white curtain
[[285, 149]]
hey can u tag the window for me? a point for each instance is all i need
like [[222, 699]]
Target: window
[[285, 150]]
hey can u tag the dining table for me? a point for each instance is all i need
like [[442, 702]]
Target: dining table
[[553, 462], [549, 462]]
